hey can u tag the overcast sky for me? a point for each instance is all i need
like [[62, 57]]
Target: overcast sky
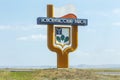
[[24, 43]]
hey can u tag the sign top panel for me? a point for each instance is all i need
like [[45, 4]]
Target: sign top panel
[[62, 21]]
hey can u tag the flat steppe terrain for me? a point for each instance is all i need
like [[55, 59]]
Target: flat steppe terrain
[[59, 74]]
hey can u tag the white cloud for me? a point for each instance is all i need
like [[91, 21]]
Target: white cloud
[[116, 11], [97, 53], [22, 27], [37, 37], [97, 13], [6, 27], [22, 38], [105, 13], [116, 23], [101, 13], [89, 30], [29, 27], [64, 10]]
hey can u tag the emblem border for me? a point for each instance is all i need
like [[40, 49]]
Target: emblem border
[[69, 36]]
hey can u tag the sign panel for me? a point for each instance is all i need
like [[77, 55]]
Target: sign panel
[[61, 21], [62, 34]]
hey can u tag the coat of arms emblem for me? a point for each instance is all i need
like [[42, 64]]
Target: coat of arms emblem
[[62, 36]]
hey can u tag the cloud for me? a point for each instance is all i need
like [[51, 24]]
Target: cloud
[[116, 11], [89, 30], [2, 27], [105, 13], [36, 37], [30, 27], [64, 10], [22, 38], [22, 27], [116, 23], [96, 13], [97, 52]]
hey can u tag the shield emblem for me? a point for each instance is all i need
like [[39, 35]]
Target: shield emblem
[[62, 36]]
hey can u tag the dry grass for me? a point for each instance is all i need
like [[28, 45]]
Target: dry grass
[[59, 74], [64, 74]]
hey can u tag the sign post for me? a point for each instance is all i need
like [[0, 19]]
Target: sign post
[[61, 39]]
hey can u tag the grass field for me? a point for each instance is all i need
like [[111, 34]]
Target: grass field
[[59, 74]]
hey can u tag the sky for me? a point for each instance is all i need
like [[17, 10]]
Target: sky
[[24, 43]]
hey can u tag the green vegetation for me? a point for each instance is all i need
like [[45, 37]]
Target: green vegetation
[[58, 74]]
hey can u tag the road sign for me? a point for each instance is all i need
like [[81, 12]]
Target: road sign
[[60, 36], [61, 21]]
